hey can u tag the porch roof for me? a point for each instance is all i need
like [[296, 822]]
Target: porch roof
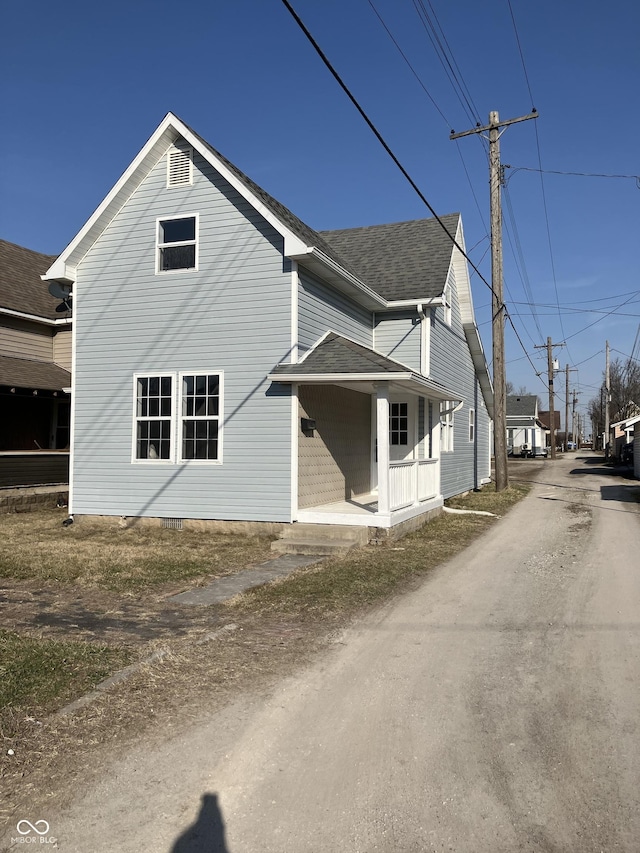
[[335, 360], [39, 375]]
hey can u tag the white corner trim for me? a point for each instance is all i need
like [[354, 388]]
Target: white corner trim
[[295, 285], [294, 451]]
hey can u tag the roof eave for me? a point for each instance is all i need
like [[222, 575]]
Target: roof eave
[[317, 261]]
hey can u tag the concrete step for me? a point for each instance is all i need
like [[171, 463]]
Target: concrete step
[[321, 539], [312, 546]]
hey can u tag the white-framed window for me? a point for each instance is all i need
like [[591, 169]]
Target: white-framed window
[[399, 424], [472, 425], [177, 243], [153, 408], [200, 396], [446, 426], [447, 304], [178, 417]]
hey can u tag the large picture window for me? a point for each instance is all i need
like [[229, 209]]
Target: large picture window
[[178, 417], [177, 244]]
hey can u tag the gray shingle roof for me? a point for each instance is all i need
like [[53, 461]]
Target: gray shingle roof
[[521, 404], [336, 354], [21, 288], [403, 260], [26, 373]]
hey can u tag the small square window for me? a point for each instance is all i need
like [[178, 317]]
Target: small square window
[[177, 244]]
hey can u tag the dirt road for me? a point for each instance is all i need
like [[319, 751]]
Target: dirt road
[[494, 709]]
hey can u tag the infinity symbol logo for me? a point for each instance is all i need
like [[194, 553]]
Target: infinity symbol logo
[[32, 827]]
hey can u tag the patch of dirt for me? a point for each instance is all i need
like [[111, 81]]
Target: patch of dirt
[[94, 615], [48, 765]]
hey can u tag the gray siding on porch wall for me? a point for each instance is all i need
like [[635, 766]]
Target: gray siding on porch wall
[[451, 364], [397, 335], [322, 308], [232, 315]]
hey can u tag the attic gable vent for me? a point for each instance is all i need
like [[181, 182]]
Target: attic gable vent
[[179, 171]]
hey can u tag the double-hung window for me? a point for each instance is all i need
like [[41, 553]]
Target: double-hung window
[[200, 416], [177, 244], [178, 417], [446, 427], [153, 407]]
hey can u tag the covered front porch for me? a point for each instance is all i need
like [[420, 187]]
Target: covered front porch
[[365, 437], [385, 467]]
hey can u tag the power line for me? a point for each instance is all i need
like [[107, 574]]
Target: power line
[[542, 188], [574, 174], [406, 59], [381, 139], [397, 162], [447, 60]]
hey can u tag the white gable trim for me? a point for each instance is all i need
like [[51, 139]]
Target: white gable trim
[[169, 130]]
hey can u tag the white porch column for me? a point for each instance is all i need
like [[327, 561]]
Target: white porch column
[[382, 431]]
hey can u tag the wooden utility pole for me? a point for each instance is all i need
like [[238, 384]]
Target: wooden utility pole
[[607, 400], [497, 287], [566, 406], [566, 410], [552, 414]]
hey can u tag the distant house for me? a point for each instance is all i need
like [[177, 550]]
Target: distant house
[[231, 363], [545, 420], [35, 378], [623, 431], [525, 431]]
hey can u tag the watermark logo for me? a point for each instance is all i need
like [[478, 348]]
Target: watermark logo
[[24, 827], [33, 833]]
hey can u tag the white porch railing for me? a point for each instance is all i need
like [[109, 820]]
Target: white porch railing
[[412, 481]]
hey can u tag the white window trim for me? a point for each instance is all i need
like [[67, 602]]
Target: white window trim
[[447, 428], [134, 432], [176, 418], [447, 303], [472, 425], [181, 418], [159, 245]]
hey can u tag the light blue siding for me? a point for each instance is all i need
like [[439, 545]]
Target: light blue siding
[[231, 315], [451, 364], [321, 307], [397, 336]]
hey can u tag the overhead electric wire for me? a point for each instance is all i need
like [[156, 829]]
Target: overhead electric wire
[[383, 142], [542, 188], [502, 306], [447, 62], [435, 104], [522, 267], [573, 174]]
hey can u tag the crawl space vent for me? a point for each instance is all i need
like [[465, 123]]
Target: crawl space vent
[[178, 168], [172, 523]]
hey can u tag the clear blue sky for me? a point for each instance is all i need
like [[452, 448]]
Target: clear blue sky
[[85, 84]]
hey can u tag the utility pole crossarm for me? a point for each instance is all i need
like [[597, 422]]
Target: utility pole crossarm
[[498, 124]]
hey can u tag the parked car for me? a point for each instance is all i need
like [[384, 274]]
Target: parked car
[[539, 451], [626, 455]]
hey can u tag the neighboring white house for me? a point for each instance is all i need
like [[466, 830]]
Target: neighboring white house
[[526, 434], [231, 363]]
